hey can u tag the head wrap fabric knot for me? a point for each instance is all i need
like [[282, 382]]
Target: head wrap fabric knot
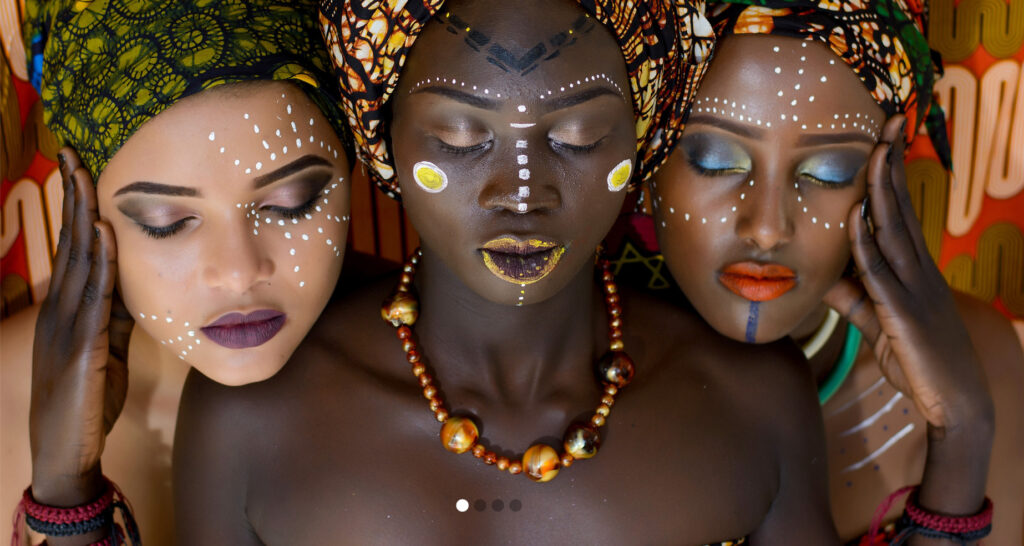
[[664, 43], [883, 41], [105, 67]]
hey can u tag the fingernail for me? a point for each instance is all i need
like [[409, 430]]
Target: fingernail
[[864, 208], [60, 161]]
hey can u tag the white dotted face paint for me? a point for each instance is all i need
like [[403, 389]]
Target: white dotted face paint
[[619, 176], [429, 177]]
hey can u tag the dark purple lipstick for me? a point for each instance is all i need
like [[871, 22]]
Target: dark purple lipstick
[[238, 331]]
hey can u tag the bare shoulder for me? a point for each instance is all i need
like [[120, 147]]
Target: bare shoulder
[[992, 334]]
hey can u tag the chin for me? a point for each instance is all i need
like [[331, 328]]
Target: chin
[[238, 374]]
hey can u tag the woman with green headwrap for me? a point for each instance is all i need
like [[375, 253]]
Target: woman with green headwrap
[[218, 168], [790, 167]]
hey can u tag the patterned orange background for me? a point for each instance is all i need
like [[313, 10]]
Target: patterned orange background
[[973, 221]]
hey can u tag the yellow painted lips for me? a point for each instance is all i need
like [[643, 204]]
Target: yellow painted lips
[[521, 262]]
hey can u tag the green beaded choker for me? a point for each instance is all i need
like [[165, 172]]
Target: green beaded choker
[[843, 366]]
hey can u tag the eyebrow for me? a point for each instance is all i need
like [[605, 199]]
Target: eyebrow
[[158, 189], [460, 96], [833, 138], [731, 126], [299, 164], [561, 102]]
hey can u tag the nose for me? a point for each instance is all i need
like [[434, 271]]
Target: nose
[[519, 186], [765, 211], [236, 260]]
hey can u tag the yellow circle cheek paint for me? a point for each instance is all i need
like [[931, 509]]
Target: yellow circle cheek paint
[[618, 177], [430, 177]]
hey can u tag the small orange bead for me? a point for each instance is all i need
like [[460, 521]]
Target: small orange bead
[[614, 310], [413, 356], [441, 415], [566, 460], [515, 467], [541, 462], [406, 278], [419, 369], [610, 389], [615, 323], [408, 269], [407, 346], [610, 288], [597, 420], [425, 379], [603, 410], [615, 333], [616, 345], [608, 400], [436, 404], [611, 299], [490, 457], [479, 450], [404, 332], [607, 276], [502, 463], [459, 434], [615, 367], [429, 392]]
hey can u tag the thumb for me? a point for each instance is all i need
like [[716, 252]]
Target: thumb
[[849, 298]]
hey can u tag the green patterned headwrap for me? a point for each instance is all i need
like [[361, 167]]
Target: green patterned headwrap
[[105, 67]]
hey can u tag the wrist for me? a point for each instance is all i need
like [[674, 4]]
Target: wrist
[[67, 490], [956, 468]]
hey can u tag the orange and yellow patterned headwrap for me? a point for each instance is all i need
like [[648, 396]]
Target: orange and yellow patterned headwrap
[[665, 44]]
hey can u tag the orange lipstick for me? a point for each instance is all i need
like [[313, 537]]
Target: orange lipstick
[[757, 282]]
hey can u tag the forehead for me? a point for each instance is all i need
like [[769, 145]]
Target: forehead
[[515, 48], [242, 130], [776, 81]]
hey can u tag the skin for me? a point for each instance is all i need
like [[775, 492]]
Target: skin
[[341, 443], [79, 377], [915, 336]]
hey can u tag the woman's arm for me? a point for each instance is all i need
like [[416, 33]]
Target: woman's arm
[[907, 313]]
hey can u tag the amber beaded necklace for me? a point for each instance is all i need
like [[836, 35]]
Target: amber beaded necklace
[[540, 462]]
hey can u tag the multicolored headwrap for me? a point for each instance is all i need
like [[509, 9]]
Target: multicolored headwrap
[[883, 41], [105, 67], [665, 45]]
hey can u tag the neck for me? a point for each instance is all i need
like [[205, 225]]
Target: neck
[[512, 352]]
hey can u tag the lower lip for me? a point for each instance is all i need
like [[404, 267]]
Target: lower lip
[[522, 268], [754, 287], [245, 334]]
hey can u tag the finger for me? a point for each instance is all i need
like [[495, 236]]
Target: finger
[[67, 216], [877, 276], [79, 260], [97, 294], [849, 298], [898, 175], [890, 227]]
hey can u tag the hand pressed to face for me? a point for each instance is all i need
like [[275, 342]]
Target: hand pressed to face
[[231, 213], [752, 205], [513, 179]]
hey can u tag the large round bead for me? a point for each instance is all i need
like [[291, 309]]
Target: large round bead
[[541, 462], [615, 367], [582, 441], [400, 308], [458, 434]]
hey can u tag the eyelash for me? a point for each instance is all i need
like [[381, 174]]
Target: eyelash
[[574, 148], [164, 231], [462, 150], [713, 172], [824, 183], [292, 213]]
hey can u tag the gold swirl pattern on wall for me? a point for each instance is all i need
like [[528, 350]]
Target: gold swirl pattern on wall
[[997, 269], [955, 31], [928, 185]]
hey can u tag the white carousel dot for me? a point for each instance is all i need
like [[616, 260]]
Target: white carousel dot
[[302, 283], [687, 216], [810, 99], [524, 174], [212, 136], [672, 210], [305, 237], [743, 196], [775, 49], [824, 79], [329, 242], [152, 317], [142, 315], [287, 235], [280, 222], [256, 129], [779, 93], [246, 116], [310, 122], [734, 208], [319, 230], [800, 71], [826, 225], [778, 70], [247, 171], [521, 108], [841, 225], [522, 159], [814, 219], [723, 219], [186, 325], [291, 251], [703, 220], [296, 269], [237, 162], [255, 232]]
